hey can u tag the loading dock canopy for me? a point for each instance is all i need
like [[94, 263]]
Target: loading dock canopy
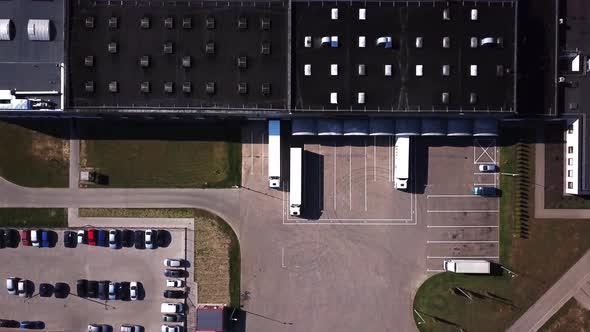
[[354, 127], [329, 127], [303, 127], [485, 127], [434, 127], [403, 127], [381, 127], [407, 127], [460, 127]]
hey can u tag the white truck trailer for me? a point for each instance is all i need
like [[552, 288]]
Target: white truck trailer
[[274, 153], [295, 184], [467, 266], [402, 162]]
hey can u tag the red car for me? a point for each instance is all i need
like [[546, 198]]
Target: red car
[[91, 237], [24, 238]]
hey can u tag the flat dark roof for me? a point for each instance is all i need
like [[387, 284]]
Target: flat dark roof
[[230, 43], [403, 91]]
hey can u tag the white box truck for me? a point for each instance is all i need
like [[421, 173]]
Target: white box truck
[[402, 162], [467, 266], [274, 153], [295, 185]]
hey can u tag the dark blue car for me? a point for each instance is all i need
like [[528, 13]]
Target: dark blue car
[[44, 239], [36, 325], [102, 238]]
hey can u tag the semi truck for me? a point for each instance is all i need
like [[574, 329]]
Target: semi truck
[[295, 184], [274, 153], [467, 266], [402, 162]]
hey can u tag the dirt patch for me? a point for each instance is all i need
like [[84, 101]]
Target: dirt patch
[[47, 148], [212, 247], [571, 317]]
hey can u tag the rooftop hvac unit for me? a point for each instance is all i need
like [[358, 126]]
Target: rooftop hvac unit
[[39, 30], [187, 23], [89, 86], [385, 41], [144, 61], [169, 23], [89, 22], [89, 61], [144, 23], [210, 48], [113, 86], [186, 61], [265, 89], [242, 62], [167, 48], [112, 47], [210, 23], [168, 87], [187, 87], [265, 23], [210, 88], [113, 22], [242, 23], [265, 48], [242, 88], [144, 87]]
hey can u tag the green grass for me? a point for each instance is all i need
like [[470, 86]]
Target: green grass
[[28, 217], [539, 256], [571, 317], [34, 153], [162, 154], [217, 250]]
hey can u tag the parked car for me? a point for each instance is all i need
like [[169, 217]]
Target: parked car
[[174, 273], [139, 241], [150, 239], [32, 325], [23, 288], [114, 239], [45, 290], [92, 289], [172, 308], [11, 237], [103, 289], [81, 236], [174, 294], [82, 287], [162, 237], [172, 318], [35, 236], [70, 239], [91, 237], [174, 283], [9, 323], [25, 237], [11, 285], [133, 290], [99, 328], [61, 290], [127, 238], [102, 238], [131, 328], [44, 239], [113, 290], [172, 328], [485, 191], [173, 262], [488, 168], [2, 239]]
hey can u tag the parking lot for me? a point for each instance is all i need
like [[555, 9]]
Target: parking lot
[[73, 313], [459, 224]]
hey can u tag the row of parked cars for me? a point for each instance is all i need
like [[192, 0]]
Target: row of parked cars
[[109, 290], [174, 312], [116, 239], [108, 328], [24, 288], [30, 325]]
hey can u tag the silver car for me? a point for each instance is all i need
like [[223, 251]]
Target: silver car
[[488, 168], [22, 288], [81, 236], [113, 286], [149, 238], [172, 328], [131, 328], [11, 284]]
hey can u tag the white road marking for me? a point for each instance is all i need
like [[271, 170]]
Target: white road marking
[[435, 270], [450, 195], [264, 143], [350, 177], [283, 258], [462, 211], [474, 241], [334, 150], [484, 184], [374, 158], [462, 257], [320, 178], [389, 157], [365, 175], [460, 226]]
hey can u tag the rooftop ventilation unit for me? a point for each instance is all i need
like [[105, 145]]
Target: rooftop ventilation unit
[[242, 88], [39, 30], [307, 41], [210, 23], [334, 13], [472, 98], [113, 86], [89, 22], [419, 42], [445, 98], [307, 70], [265, 89], [89, 86], [210, 48], [89, 61], [362, 14], [168, 87], [446, 70], [385, 42], [360, 99], [144, 23], [265, 23], [500, 70], [144, 61], [333, 98], [419, 70], [446, 14], [144, 87], [186, 61], [6, 29], [242, 23], [187, 87], [113, 22], [473, 42], [362, 70], [169, 23], [387, 70], [446, 42], [242, 62], [210, 88], [265, 48], [167, 48], [187, 23], [113, 47]]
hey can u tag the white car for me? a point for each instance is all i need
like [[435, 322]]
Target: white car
[[150, 236], [172, 328], [35, 237], [81, 236], [174, 283], [22, 288], [11, 285], [113, 239], [131, 328], [171, 262], [133, 291], [488, 168], [172, 308]]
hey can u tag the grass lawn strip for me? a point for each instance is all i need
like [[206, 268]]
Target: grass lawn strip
[[571, 317], [35, 153], [217, 250], [28, 218]]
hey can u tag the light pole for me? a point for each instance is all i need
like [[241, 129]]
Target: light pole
[[510, 174]]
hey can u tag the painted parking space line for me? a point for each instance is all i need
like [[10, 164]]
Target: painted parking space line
[[451, 196], [460, 241], [462, 226], [462, 211], [462, 257]]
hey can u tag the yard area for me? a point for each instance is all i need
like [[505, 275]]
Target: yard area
[[161, 153], [35, 153], [571, 317], [528, 247], [217, 250], [26, 217]]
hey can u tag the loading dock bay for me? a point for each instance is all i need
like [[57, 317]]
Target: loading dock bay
[[444, 170]]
